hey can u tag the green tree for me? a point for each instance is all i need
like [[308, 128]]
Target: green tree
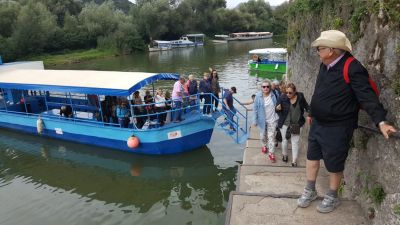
[[152, 18], [8, 15], [262, 13], [76, 34], [99, 21], [280, 19], [61, 7], [127, 38], [35, 25]]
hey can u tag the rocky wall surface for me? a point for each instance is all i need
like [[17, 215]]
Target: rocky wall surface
[[372, 172]]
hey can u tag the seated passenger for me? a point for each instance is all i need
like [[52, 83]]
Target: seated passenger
[[123, 114], [66, 111], [138, 110], [160, 106], [148, 99]]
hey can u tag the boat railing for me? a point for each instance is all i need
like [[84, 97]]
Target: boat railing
[[149, 115]]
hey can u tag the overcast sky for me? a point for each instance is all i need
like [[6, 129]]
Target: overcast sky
[[233, 3]]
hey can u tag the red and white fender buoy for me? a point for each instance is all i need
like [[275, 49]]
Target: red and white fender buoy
[[133, 142]]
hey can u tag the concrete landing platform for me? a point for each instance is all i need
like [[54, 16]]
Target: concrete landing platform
[[277, 180], [247, 209]]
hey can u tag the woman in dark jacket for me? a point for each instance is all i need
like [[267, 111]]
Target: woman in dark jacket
[[291, 107]]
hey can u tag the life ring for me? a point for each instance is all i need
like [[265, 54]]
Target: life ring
[[255, 57], [133, 142]]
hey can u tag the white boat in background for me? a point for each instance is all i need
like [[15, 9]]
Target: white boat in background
[[189, 40], [160, 46], [252, 35], [242, 36], [220, 38]]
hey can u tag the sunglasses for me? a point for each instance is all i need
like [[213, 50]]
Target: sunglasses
[[289, 93], [321, 48], [265, 86]]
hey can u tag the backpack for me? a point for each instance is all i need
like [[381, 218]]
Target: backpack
[[347, 78], [192, 87]]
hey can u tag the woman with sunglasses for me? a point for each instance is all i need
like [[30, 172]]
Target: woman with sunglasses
[[266, 118], [291, 107]]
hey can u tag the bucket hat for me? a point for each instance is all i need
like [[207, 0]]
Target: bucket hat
[[333, 39]]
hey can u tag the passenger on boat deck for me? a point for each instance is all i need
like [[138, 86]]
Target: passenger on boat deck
[[256, 58], [228, 107], [193, 90], [113, 107], [138, 110], [123, 113], [106, 109], [93, 100], [148, 99], [160, 106], [216, 89], [177, 98], [168, 106], [66, 111], [205, 90]]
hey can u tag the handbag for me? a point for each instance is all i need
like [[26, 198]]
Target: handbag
[[294, 128], [278, 136], [288, 134]]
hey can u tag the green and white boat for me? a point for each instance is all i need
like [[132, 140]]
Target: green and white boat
[[271, 60]]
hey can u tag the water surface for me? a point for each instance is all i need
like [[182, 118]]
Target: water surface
[[45, 181]]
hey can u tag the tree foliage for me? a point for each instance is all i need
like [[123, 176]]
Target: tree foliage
[[44, 26]]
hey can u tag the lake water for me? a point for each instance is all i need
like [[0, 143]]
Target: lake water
[[45, 181]]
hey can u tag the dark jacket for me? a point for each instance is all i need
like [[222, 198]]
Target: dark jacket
[[205, 86], [335, 103], [285, 106]]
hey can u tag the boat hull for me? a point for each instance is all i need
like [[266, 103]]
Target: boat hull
[[170, 139], [278, 67]]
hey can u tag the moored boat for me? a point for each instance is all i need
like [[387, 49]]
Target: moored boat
[[271, 60], [76, 105], [245, 36], [33, 100], [160, 46]]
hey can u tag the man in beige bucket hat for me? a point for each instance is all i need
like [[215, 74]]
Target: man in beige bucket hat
[[334, 114]]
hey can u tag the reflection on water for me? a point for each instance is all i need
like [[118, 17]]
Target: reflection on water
[[45, 181], [186, 184]]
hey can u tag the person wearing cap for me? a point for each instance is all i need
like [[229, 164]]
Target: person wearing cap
[[266, 118], [334, 115], [228, 107]]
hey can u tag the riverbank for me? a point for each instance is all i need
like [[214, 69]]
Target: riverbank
[[72, 57]]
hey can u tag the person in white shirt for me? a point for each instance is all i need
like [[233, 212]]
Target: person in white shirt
[[160, 106], [266, 119]]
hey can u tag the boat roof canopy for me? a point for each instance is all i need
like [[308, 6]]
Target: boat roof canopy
[[194, 35], [268, 51], [80, 81]]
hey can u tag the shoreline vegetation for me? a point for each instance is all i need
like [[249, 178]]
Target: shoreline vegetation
[[82, 55], [72, 57], [44, 28]]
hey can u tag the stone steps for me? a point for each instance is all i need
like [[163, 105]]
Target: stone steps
[[267, 192]]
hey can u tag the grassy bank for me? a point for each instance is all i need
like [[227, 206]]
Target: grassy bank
[[73, 56]]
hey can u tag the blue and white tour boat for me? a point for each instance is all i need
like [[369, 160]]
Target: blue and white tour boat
[[37, 101]]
